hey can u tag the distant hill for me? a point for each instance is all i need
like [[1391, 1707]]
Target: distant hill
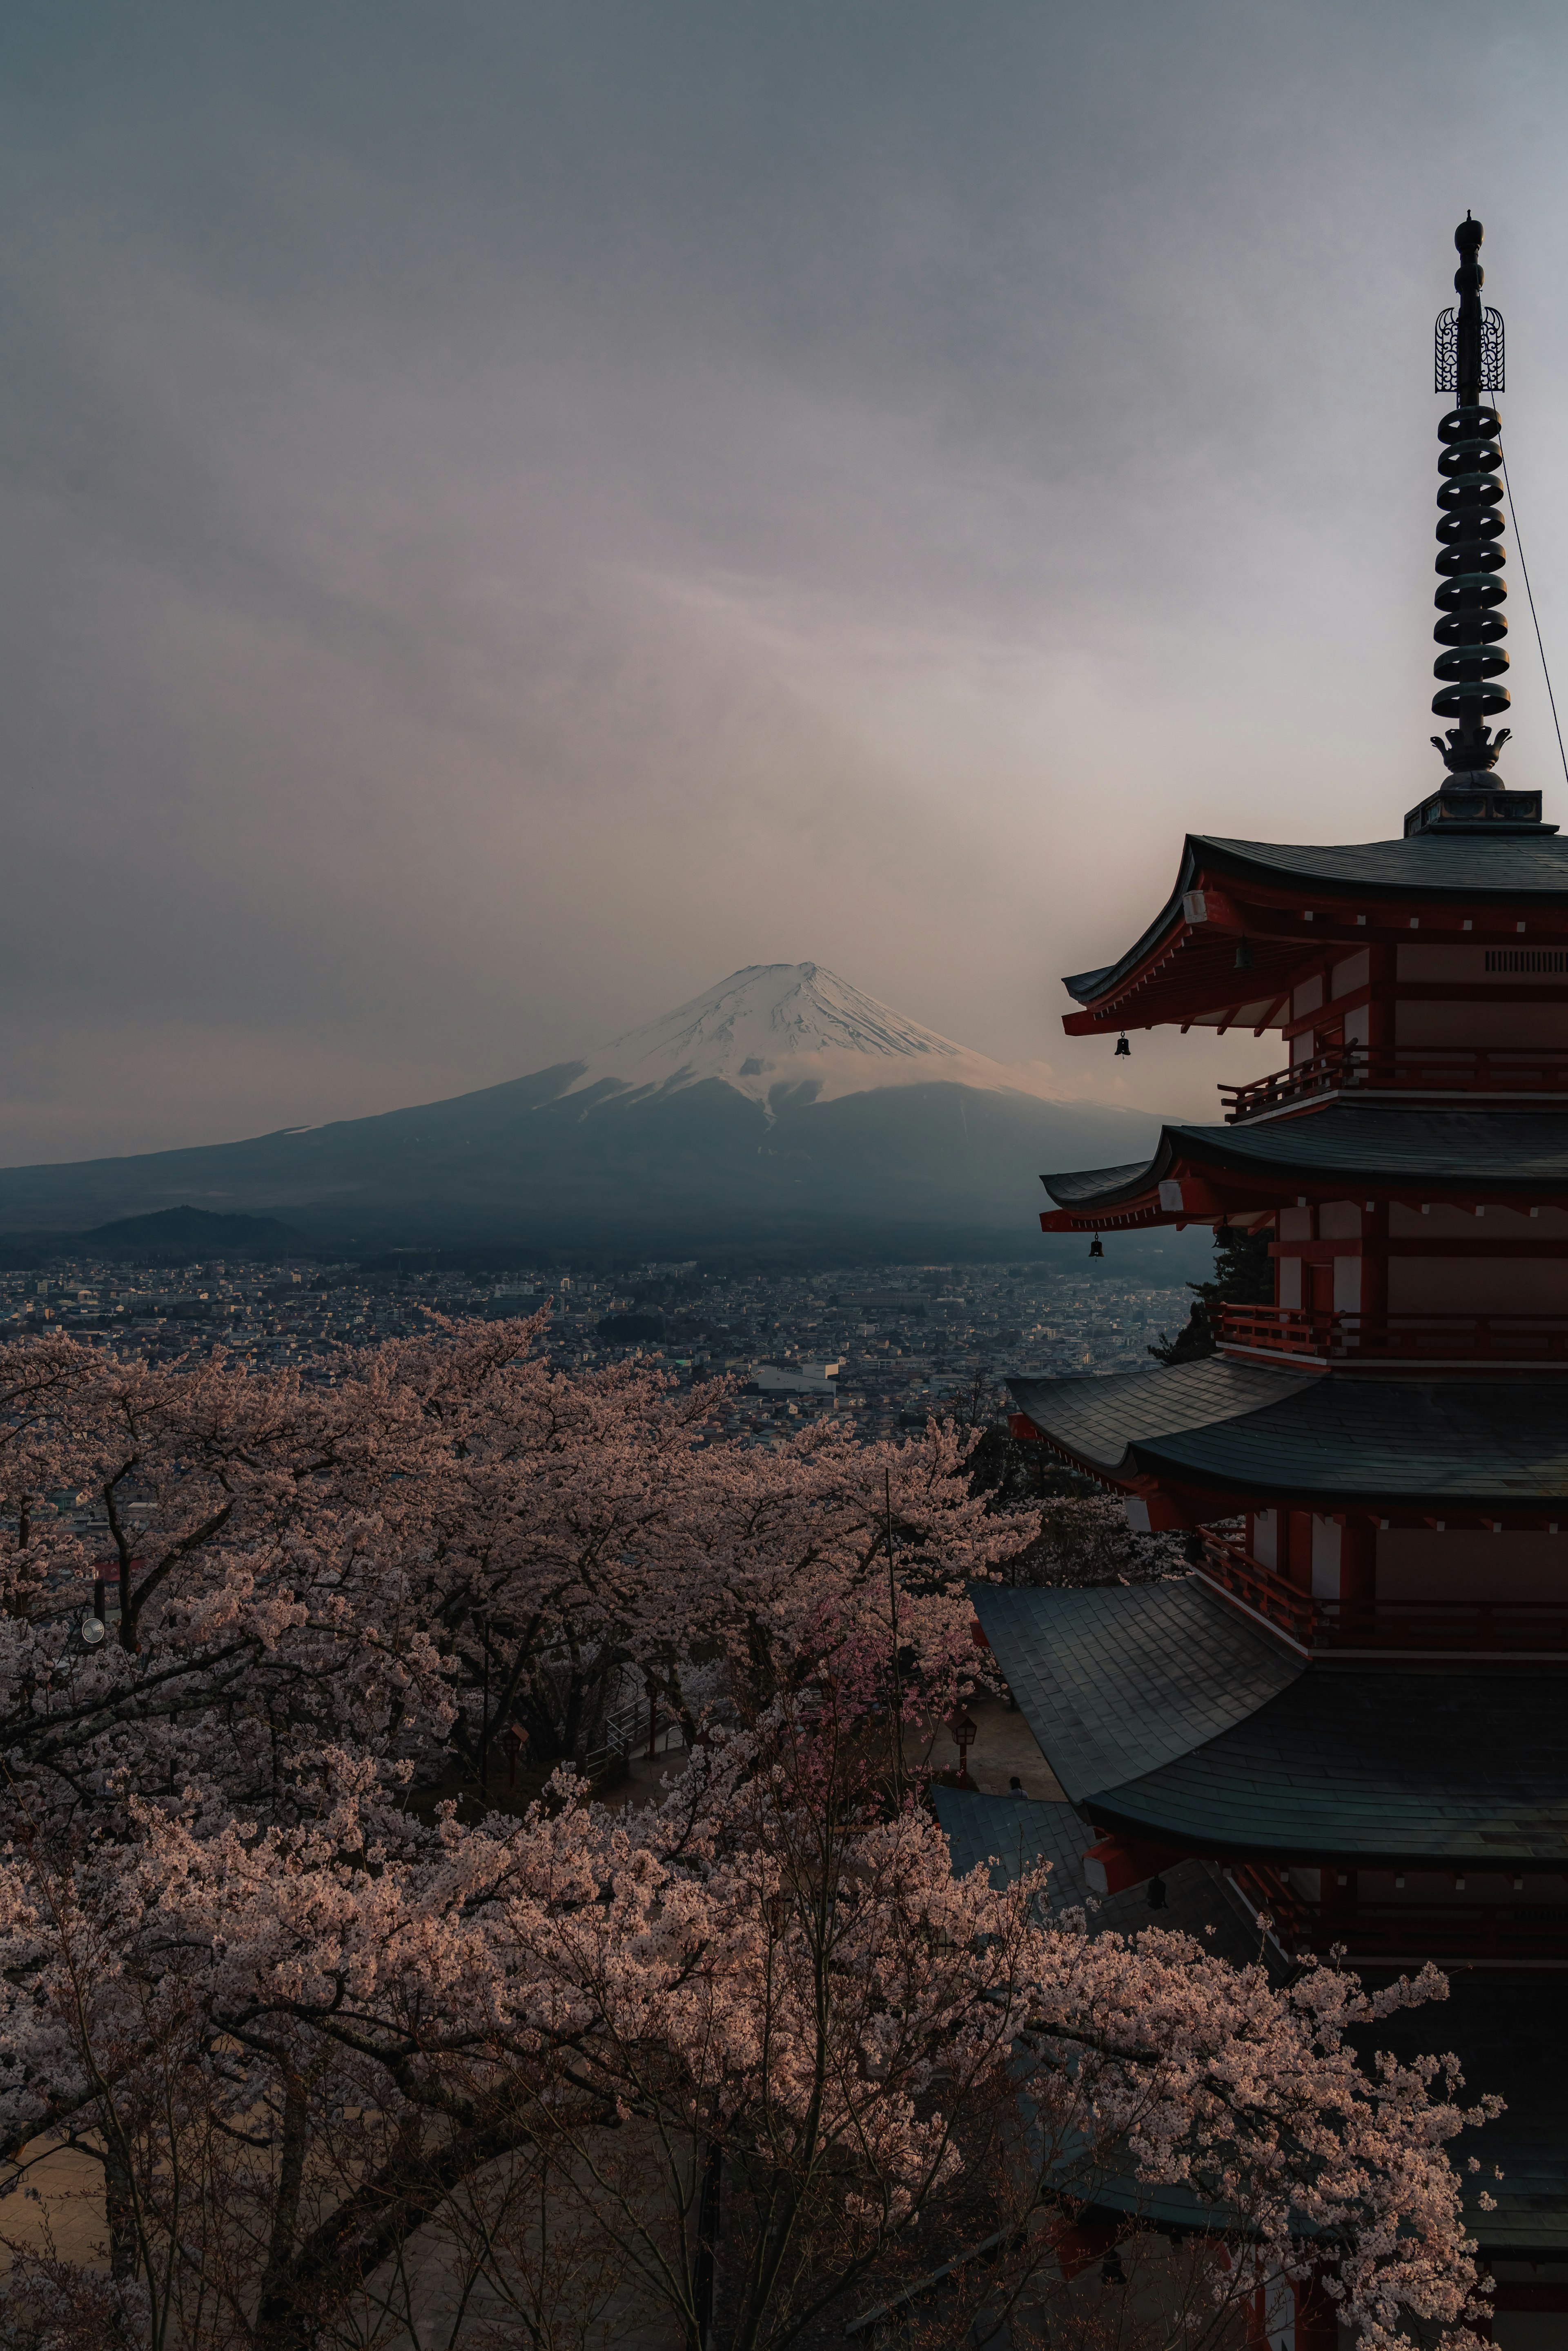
[[171, 1236], [193, 1232], [784, 1108]]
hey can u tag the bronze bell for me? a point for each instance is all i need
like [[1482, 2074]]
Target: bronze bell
[[1096, 1247], [1124, 1051]]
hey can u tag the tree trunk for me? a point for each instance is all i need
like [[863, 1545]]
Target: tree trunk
[[704, 2263], [280, 2325], [120, 2210]]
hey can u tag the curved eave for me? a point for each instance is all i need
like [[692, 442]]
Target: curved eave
[[1165, 1716], [1299, 902], [1247, 1794], [1201, 1173], [1495, 1449]]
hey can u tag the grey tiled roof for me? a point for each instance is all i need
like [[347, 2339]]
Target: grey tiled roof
[[1533, 864], [1469, 1444], [1510, 2034], [1109, 1184], [1164, 1714], [1098, 1419], [1373, 1766], [1010, 1833], [1492, 1151], [1516, 865], [1114, 1683], [1465, 1445]]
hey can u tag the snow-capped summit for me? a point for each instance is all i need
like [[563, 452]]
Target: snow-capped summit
[[793, 1026], [784, 1106]]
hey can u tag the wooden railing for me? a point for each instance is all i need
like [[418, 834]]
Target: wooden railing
[[1420, 1628], [1350, 1338], [1268, 1596], [1485, 1930], [1404, 1069]]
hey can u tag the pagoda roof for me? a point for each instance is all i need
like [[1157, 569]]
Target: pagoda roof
[[1512, 2038], [1452, 1446], [1523, 1152], [1509, 2032], [1006, 1836], [1273, 879], [1011, 1834], [1166, 1714]]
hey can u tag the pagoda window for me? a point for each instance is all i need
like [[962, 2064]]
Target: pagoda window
[[1484, 967], [1264, 1538], [1355, 972], [1308, 996]]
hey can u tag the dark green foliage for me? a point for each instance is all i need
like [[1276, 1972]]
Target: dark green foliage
[[632, 1326], [1243, 1276]]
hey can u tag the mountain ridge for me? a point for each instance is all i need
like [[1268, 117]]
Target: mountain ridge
[[856, 1118], [788, 1026]]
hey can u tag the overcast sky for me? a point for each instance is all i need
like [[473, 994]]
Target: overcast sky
[[511, 511]]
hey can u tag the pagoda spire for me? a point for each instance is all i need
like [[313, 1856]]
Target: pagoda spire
[[1470, 629]]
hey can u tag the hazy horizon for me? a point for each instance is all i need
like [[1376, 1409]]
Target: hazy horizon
[[514, 513]]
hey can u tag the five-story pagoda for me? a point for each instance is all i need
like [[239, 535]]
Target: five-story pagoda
[[1357, 1702]]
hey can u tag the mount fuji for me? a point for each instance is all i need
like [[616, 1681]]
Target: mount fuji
[[788, 1034], [783, 1107]]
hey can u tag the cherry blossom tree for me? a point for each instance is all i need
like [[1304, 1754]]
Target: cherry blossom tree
[[308, 2046], [321, 2040], [454, 1539]]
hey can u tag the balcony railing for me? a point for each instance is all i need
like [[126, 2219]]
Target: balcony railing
[[1486, 1930], [1353, 1338], [1404, 1069], [1259, 1589], [1535, 1629]]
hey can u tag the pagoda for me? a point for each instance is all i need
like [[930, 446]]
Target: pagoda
[[1355, 1704]]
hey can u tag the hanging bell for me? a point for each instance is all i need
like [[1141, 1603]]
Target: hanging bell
[[1243, 958], [1096, 1247], [1124, 1051]]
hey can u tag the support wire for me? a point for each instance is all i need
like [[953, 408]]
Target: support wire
[[1530, 596]]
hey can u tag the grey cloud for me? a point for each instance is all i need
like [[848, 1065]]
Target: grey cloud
[[510, 512]]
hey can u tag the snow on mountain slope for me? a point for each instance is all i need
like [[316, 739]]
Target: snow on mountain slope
[[791, 1025]]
